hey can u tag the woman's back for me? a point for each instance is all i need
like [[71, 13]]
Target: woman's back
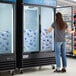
[[59, 34]]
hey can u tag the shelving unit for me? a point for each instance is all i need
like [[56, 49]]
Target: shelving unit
[[67, 17], [68, 37], [72, 53], [74, 50]]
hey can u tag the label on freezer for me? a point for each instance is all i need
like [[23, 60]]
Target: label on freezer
[[25, 56]]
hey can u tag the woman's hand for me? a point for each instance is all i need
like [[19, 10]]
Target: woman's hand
[[49, 30], [70, 31]]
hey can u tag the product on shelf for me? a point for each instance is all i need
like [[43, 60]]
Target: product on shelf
[[74, 51]]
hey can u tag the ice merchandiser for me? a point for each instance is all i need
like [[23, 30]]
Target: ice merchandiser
[[67, 13], [38, 47], [7, 35]]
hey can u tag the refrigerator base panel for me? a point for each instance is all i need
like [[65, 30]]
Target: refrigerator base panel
[[38, 59], [7, 65], [7, 62]]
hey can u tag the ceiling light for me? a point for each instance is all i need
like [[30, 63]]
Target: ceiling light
[[71, 0], [74, 0]]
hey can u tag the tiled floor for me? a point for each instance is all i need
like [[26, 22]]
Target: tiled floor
[[47, 70]]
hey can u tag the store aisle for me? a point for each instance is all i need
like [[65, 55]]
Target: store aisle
[[47, 70]]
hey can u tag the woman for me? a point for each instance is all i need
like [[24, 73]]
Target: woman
[[60, 27]]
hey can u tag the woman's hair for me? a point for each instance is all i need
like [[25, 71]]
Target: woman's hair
[[59, 20]]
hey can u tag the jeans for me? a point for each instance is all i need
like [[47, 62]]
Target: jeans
[[60, 49]]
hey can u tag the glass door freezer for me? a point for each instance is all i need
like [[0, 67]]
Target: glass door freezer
[[35, 48], [7, 36], [38, 47]]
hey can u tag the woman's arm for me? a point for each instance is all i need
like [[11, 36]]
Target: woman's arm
[[70, 31]]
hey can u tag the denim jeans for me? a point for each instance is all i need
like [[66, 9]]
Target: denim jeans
[[60, 49]]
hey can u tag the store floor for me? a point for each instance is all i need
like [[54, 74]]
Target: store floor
[[47, 70]]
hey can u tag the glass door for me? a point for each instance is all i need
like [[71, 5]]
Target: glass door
[[47, 18], [6, 28], [30, 29], [67, 16]]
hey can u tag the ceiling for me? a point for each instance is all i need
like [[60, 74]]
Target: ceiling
[[71, 1], [67, 3]]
